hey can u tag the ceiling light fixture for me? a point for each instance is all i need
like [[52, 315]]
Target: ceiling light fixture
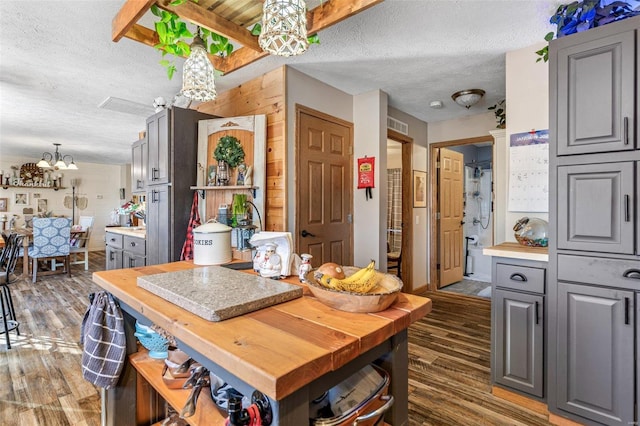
[[56, 161], [198, 74], [284, 27], [467, 98]]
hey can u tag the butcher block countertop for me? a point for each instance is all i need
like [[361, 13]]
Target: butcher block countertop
[[518, 251], [278, 349]]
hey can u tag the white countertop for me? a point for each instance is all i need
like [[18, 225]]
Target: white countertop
[[132, 231], [518, 251]]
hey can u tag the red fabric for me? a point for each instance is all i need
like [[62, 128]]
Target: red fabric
[[194, 221]]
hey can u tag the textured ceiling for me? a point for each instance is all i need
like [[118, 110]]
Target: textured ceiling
[[58, 63]]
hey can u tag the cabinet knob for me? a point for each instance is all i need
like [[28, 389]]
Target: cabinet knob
[[133, 244]]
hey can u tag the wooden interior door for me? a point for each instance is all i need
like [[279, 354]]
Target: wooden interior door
[[324, 191], [450, 200]]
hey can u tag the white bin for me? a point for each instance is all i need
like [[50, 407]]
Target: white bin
[[212, 244]]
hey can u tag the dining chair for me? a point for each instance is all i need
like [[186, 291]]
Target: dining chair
[[50, 240], [394, 262], [8, 261], [80, 242]]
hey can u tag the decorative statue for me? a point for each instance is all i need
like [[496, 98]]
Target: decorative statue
[[271, 265], [242, 169]]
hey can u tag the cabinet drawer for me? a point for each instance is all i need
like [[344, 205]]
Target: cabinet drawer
[[113, 240], [135, 245], [522, 278], [599, 271]]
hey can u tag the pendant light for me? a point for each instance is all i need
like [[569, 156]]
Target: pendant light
[[198, 74], [284, 27]]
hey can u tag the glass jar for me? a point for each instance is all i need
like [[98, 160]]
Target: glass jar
[[532, 232]]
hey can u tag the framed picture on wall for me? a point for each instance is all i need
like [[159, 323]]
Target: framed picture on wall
[[419, 189], [4, 204], [42, 205], [21, 199]]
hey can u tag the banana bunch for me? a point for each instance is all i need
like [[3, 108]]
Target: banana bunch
[[362, 281]]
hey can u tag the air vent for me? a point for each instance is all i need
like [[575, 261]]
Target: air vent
[[128, 107], [397, 125]]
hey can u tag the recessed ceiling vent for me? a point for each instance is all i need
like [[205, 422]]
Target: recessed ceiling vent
[[397, 125], [128, 107]]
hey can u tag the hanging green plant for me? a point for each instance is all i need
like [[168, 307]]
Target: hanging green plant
[[582, 15], [500, 111], [174, 38], [229, 150]]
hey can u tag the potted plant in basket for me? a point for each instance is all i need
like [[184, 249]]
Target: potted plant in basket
[[229, 154]]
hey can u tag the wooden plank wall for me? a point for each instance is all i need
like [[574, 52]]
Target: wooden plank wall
[[263, 95]]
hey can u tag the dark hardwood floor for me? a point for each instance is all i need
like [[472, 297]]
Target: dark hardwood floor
[[42, 384]]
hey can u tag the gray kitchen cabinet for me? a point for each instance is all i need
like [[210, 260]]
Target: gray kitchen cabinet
[[596, 85], [124, 251], [172, 147], [518, 325], [595, 210], [595, 354], [594, 224], [139, 166]]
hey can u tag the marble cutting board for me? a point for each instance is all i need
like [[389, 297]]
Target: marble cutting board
[[216, 293]]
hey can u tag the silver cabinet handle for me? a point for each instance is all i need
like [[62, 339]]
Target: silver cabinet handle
[[625, 131], [376, 413], [627, 214], [632, 273], [517, 276]]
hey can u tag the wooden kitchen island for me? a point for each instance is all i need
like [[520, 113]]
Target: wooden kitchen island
[[292, 352]]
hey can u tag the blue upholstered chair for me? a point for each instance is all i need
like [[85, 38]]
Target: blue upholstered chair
[[50, 241]]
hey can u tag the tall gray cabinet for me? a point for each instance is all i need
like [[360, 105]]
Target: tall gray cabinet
[[594, 253], [172, 147]]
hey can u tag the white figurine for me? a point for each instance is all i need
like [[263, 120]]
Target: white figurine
[[271, 265], [257, 259], [305, 266]]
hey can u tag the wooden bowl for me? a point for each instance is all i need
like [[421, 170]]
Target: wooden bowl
[[378, 299]]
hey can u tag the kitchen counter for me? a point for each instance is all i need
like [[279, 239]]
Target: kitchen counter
[[132, 231], [292, 352], [518, 251]]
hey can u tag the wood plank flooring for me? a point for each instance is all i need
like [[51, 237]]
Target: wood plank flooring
[[41, 382]]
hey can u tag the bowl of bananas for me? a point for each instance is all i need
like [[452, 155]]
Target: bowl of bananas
[[361, 290]]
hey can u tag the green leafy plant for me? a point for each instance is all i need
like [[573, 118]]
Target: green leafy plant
[[229, 150], [500, 111], [582, 15], [173, 35]]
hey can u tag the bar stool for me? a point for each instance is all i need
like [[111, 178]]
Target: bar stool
[[8, 262]]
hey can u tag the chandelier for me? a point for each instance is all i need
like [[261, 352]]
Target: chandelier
[[198, 73], [57, 161], [284, 27], [467, 98]]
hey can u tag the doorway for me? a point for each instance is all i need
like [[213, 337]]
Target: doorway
[[460, 244]]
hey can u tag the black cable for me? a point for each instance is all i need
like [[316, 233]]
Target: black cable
[[258, 212]]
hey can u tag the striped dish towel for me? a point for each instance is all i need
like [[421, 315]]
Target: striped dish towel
[[105, 344]]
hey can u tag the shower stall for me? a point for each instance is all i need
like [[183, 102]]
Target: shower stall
[[478, 220]]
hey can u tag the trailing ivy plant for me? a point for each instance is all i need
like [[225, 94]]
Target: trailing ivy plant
[[173, 35], [229, 150], [500, 111], [582, 15]]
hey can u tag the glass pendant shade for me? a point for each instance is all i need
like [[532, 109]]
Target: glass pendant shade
[[57, 160], [468, 98], [44, 164], [198, 74], [284, 27]]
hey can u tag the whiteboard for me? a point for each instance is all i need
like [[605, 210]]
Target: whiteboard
[[529, 172]]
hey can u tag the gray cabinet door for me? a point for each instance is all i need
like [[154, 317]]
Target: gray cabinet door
[[138, 166], [113, 258], [519, 347], [595, 207], [158, 139], [132, 260], [158, 225], [595, 99], [595, 357]]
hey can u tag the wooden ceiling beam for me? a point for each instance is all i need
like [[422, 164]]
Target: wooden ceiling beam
[[149, 37], [209, 20], [127, 17], [334, 11]]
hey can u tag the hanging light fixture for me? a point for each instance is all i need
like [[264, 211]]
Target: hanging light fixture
[[284, 27], [198, 73], [57, 160], [468, 98]]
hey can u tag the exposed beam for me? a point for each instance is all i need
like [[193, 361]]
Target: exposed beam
[[127, 16], [334, 11], [239, 58], [209, 20], [149, 37]]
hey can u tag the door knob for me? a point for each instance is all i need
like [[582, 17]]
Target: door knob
[[305, 234]]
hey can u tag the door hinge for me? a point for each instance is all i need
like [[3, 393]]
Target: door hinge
[[350, 150], [438, 216], [437, 164], [349, 218]]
